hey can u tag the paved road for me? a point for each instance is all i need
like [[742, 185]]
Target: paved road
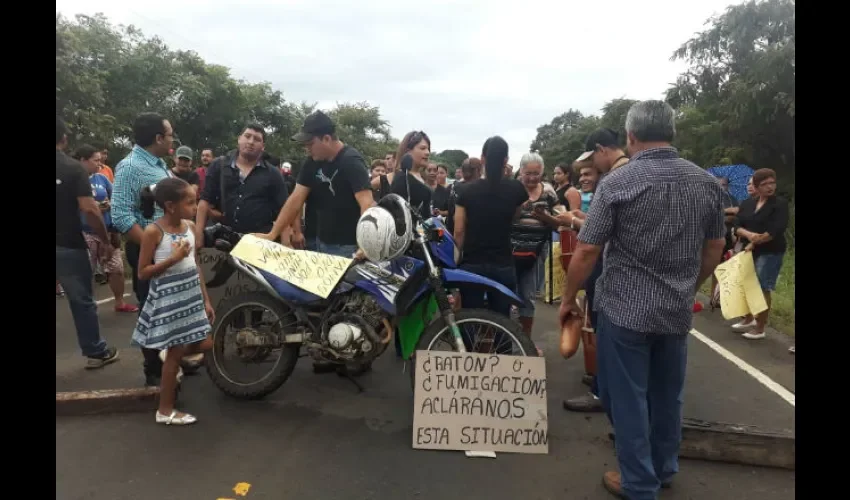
[[318, 438]]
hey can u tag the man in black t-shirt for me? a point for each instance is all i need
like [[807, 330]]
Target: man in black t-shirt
[[336, 180], [73, 268]]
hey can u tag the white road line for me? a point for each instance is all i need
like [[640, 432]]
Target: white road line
[[104, 301], [751, 370]]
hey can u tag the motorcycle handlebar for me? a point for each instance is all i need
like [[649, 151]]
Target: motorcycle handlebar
[[221, 237]]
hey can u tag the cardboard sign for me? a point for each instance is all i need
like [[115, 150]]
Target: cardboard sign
[[318, 273], [554, 283], [237, 284], [480, 402], [740, 291]]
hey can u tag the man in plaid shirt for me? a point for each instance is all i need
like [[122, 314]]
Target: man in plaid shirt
[[142, 167], [659, 220]]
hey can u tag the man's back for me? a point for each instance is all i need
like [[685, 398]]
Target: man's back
[[71, 183], [655, 213]]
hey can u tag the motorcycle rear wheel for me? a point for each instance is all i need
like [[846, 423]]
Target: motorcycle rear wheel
[[213, 360], [439, 328]]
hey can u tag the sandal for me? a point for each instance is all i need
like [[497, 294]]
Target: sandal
[[126, 308], [173, 419]]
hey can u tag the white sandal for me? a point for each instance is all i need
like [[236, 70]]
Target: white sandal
[[173, 419]]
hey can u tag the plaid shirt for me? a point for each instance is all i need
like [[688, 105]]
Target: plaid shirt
[[655, 214], [137, 170]]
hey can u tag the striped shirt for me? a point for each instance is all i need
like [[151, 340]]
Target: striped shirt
[[655, 214], [137, 170]]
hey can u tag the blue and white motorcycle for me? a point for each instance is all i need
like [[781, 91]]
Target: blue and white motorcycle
[[262, 332]]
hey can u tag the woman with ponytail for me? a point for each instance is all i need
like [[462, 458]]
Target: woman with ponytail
[[484, 213], [416, 146]]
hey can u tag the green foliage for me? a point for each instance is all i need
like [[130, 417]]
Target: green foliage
[[106, 75]]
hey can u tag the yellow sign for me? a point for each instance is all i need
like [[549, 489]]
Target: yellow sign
[[558, 275], [315, 272], [740, 292]]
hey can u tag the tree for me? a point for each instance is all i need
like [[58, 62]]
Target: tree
[[453, 158], [737, 99]]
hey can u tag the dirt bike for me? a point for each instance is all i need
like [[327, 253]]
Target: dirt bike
[[408, 296]]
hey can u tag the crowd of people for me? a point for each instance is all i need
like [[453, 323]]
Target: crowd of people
[[641, 229]]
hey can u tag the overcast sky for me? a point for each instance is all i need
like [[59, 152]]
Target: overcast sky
[[459, 70]]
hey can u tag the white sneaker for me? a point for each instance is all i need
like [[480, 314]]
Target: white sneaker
[[743, 326], [792, 349], [162, 354], [754, 335]]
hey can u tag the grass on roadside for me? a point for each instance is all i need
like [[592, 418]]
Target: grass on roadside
[[782, 313]]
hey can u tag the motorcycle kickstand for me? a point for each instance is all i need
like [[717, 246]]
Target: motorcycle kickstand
[[342, 372]]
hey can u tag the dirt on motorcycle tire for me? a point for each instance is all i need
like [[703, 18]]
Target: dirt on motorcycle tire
[[288, 355], [436, 327]]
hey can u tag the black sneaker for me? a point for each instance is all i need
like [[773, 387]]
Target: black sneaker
[[152, 380], [110, 355], [584, 404]]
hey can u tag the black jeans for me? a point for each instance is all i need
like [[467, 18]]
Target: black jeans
[[152, 364], [590, 293], [472, 297]]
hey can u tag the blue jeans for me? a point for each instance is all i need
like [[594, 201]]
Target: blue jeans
[[590, 293], [338, 250], [641, 383], [311, 244], [74, 273]]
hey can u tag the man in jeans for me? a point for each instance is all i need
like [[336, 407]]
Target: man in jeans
[[73, 270], [142, 167], [656, 258]]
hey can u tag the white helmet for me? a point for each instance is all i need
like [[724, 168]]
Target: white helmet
[[385, 231]]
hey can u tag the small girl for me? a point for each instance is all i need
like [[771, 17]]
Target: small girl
[[177, 313]]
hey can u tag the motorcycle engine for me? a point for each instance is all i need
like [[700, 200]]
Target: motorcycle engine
[[356, 330]]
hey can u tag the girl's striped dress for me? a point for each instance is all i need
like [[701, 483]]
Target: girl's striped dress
[[174, 311]]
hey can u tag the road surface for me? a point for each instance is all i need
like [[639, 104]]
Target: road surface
[[317, 438]]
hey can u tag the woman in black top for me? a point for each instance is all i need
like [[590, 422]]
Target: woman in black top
[[760, 225], [484, 212], [418, 146], [568, 196]]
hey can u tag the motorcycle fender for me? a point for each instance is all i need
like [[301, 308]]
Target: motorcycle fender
[[454, 278]]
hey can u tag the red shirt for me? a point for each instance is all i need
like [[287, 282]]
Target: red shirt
[[202, 176]]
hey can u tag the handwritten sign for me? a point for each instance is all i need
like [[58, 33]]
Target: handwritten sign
[[236, 284], [740, 292], [558, 275], [315, 272], [480, 402]]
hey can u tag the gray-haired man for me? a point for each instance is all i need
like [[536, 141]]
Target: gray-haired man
[[662, 221]]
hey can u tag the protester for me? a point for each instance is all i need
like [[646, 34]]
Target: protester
[[378, 168], [104, 168], [107, 253], [247, 190], [531, 236], [643, 349], [390, 161], [176, 317], [183, 167], [761, 224], [440, 193], [141, 168], [442, 174], [483, 217], [336, 179], [410, 185], [568, 196], [602, 149], [459, 174], [73, 268], [470, 171], [207, 157]]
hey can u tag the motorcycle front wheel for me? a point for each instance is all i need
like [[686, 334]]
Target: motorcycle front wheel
[[496, 334], [253, 314]]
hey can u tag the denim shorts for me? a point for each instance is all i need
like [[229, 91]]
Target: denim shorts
[[768, 266]]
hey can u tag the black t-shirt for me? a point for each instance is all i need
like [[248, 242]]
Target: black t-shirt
[[332, 187], [771, 218], [440, 198], [191, 176], [72, 182], [490, 211], [420, 193]]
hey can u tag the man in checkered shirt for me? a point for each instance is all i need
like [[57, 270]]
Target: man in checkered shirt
[[660, 221]]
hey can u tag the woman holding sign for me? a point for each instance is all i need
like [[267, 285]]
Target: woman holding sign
[[761, 223]]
